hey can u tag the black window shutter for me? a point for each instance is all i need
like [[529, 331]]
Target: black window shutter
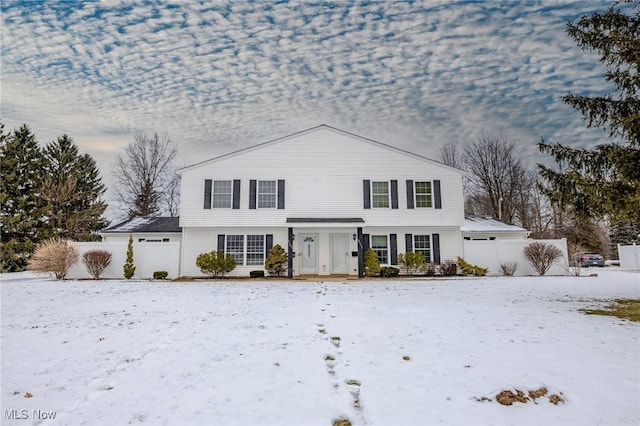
[[220, 243], [366, 193], [394, 195], [437, 203], [281, 194], [252, 193], [207, 193], [408, 243], [236, 194], [365, 242], [393, 244], [409, 194], [268, 245], [436, 248]]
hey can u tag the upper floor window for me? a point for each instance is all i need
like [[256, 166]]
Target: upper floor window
[[222, 193], [267, 194], [380, 245], [380, 194], [423, 194]]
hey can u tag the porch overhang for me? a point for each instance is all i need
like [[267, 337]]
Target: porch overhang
[[325, 221]]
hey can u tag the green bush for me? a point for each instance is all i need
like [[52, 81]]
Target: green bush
[[276, 262], [389, 271], [256, 274], [129, 267], [469, 269], [160, 275], [412, 262], [371, 263], [216, 264]]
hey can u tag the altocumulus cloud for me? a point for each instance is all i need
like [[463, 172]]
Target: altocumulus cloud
[[217, 76]]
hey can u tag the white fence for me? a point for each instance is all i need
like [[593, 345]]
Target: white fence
[[629, 257], [490, 254], [147, 258]]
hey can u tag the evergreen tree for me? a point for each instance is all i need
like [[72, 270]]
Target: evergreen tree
[[276, 262], [604, 181], [129, 268], [72, 189], [22, 208]]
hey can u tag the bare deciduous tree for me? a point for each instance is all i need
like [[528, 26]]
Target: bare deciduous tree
[[449, 155], [497, 178], [145, 173]]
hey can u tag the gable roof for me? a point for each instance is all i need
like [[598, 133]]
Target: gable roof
[[146, 225], [488, 224], [313, 130]]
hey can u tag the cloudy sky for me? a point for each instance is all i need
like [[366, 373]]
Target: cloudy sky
[[218, 76]]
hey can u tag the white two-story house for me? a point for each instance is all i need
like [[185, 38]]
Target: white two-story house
[[325, 195]]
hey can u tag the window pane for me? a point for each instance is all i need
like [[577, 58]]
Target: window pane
[[379, 245], [380, 194], [267, 194], [255, 249], [235, 247], [423, 194], [221, 194], [422, 244]]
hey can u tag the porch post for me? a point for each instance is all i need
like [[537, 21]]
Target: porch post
[[360, 254], [290, 253]]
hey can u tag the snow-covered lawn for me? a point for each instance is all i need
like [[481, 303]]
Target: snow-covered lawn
[[400, 352]]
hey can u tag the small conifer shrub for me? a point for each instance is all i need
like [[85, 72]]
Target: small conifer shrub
[[129, 268]]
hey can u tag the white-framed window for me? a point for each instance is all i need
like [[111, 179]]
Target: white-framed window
[[380, 245], [380, 194], [423, 194], [235, 247], [255, 249], [246, 249], [267, 194], [222, 194], [422, 244]]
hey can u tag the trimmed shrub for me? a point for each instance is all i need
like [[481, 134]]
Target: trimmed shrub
[[412, 262], [54, 255], [129, 268], [216, 264], [508, 268], [371, 263], [160, 275], [469, 269], [256, 274], [448, 268], [96, 261], [276, 262], [541, 256], [389, 271]]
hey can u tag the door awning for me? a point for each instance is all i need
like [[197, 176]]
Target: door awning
[[335, 220]]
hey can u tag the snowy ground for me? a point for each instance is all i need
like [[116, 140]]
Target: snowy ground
[[243, 352]]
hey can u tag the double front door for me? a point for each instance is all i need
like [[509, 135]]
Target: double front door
[[339, 254]]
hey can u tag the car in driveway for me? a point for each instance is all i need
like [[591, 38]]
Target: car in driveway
[[591, 259]]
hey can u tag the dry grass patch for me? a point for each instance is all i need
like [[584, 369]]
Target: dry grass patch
[[622, 308]]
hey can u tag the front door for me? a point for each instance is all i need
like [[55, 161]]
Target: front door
[[340, 254], [309, 255]]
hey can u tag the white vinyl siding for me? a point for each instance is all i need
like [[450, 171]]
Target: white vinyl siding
[[380, 194], [267, 194], [380, 244], [423, 194], [222, 194]]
